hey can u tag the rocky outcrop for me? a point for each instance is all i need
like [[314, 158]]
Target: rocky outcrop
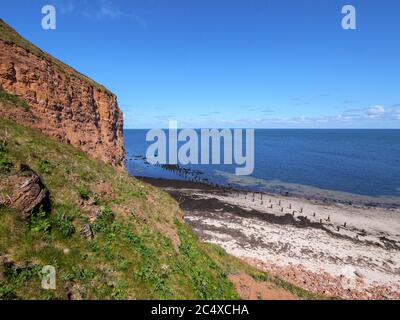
[[30, 193], [62, 102], [86, 231]]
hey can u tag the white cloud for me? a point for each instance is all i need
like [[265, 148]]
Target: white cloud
[[363, 115], [375, 116], [64, 6], [397, 113], [375, 112], [97, 10], [108, 10]]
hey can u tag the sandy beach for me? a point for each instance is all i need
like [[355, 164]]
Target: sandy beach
[[340, 249]]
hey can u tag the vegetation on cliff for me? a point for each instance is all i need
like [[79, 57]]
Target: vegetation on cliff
[[107, 234], [12, 101], [138, 246]]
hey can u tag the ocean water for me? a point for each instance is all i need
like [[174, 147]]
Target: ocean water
[[354, 162]]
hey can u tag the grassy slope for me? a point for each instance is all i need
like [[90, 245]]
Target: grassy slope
[[131, 255]]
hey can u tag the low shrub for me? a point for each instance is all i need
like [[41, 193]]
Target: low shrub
[[64, 224], [39, 222], [84, 193]]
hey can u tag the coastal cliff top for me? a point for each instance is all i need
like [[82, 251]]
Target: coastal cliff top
[[9, 35], [59, 101]]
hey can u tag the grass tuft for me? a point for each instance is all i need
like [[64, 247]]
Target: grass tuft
[[12, 100]]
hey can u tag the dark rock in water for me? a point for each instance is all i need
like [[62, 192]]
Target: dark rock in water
[[87, 231], [30, 193]]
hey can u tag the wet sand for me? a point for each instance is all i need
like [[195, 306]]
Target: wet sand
[[346, 250]]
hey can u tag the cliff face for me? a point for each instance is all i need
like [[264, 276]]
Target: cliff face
[[62, 102]]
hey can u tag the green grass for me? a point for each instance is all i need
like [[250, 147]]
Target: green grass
[[12, 100], [44, 166], [64, 223], [5, 163], [131, 256]]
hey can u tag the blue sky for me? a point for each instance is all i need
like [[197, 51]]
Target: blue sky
[[230, 63]]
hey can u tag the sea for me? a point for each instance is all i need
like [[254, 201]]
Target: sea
[[331, 163]]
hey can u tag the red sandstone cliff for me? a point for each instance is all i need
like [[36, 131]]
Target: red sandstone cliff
[[62, 102]]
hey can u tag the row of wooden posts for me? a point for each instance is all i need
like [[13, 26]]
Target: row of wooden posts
[[195, 177], [271, 206]]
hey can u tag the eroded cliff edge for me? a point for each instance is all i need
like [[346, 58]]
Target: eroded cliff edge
[[61, 102]]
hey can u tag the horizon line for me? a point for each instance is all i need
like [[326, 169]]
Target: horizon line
[[244, 128]]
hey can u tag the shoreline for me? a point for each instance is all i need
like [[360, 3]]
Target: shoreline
[[346, 250], [302, 192]]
